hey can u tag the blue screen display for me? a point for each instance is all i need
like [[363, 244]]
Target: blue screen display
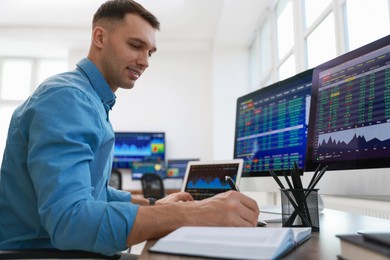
[[138, 147], [271, 126]]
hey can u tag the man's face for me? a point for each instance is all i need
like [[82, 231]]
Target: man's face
[[126, 49]]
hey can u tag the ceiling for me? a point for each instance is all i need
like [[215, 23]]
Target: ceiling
[[56, 24]]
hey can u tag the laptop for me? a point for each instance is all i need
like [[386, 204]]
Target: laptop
[[204, 179]]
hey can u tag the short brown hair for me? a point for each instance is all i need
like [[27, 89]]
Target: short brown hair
[[117, 9]]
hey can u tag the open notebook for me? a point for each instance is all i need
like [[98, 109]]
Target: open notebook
[[232, 242]]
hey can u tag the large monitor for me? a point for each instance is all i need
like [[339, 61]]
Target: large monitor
[[271, 130], [138, 147], [350, 122]]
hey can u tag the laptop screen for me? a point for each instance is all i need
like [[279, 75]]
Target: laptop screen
[[206, 179]]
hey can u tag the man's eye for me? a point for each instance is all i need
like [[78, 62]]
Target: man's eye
[[135, 46]]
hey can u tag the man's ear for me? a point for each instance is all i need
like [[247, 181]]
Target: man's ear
[[98, 34]]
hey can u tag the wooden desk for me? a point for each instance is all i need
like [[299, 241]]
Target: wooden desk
[[322, 245]]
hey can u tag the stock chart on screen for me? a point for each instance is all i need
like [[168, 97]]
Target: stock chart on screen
[[271, 126], [351, 119], [138, 147]]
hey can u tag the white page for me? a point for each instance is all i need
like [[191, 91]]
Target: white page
[[270, 217]]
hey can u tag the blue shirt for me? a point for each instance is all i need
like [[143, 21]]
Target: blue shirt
[[57, 162]]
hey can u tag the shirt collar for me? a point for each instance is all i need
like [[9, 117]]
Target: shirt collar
[[98, 82]]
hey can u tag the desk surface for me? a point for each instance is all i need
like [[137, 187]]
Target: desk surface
[[322, 245]]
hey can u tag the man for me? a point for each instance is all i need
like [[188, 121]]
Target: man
[[58, 156]]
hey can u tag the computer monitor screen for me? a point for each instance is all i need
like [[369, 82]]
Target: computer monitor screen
[[271, 126], [176, 168], [350, 121], [138, 147], [351, 110]]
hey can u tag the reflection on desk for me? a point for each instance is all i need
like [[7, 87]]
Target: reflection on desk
[[323, 245]]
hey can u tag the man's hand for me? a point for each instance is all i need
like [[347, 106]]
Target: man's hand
[[228, 209]]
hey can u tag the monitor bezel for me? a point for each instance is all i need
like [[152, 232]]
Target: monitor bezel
[[370, 163], [270, 88]]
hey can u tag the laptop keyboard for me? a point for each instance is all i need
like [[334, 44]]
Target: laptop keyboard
[[206, 194]]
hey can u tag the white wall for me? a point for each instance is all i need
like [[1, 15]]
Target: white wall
[[230, 81], [174, 96], [189, 92]]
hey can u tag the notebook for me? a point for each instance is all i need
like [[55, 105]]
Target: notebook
[[232, 242], [204, 179]]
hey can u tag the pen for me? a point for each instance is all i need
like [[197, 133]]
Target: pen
[[318, 177], [276, 179], [231, 183], [292, 201], [287, 180], [314, 176], [315, 179], [296, 178]]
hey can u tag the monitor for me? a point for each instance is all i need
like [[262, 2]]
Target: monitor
[[176, 168], [138, 147], [271, 130], [350, 122]]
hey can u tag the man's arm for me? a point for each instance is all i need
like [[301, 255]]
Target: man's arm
[[226, 209]]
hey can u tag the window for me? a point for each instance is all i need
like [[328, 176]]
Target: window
[[285, 28], [317, 51], [366, 22], [261, 56], [287, 69], [18, 78], [5, 117], [302, 34], [47, 68], [265, 48], [313, 9], [255, 62]]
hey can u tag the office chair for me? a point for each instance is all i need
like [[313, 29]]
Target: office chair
[[116, 179], [152, 186]]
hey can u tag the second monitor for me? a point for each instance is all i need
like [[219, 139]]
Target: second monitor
[[271, 126], [138, 147]]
